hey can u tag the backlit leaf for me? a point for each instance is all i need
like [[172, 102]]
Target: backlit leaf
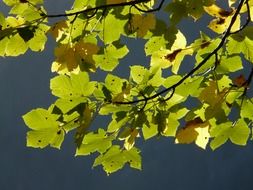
[[242, 43], [237, 132], [115, 159], [195, 130], [95, 142], [45, 129], [110, 59], [142, 24]]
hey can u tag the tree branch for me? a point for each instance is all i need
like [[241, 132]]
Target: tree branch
[[189, 74], [101, 7]]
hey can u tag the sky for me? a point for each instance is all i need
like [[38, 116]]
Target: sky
[[24, 85]]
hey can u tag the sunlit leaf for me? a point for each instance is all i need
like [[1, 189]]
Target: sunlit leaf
[[45, 129], [110, 59], [247, 109], [237, 132], [108, 35], [195, 130], [241, 43], [95, 142], [165, 58], [115, 159]]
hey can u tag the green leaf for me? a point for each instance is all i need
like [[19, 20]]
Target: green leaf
[[118, 121], [80, 4], [247, 109], [220, 132], [205, 49], [71, 121], [45, 129], [65, 105], [114, 83], [37, 43], [230, 64], [15, 46], [155, 43], [2, 20], [238, 132], [110, 59], [115, 159], [109, 35], [192, 85], [72, 90], [133, 158], [75, 86], [40, 119], [95, 142], [241, 42], [107, 109], [10, 2], [149, 130], [178, 11], [173, 123], [42, 138], [156, 79], [138, 74]]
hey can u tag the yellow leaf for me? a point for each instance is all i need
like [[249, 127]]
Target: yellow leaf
[[65, 56], [203, 136], [173, 57], [216, 11], [85, 49], [186, 135], [195, 130], [14, 22], [57, 29], [142, 24], [76, 58], [222, 20], [220, 25]]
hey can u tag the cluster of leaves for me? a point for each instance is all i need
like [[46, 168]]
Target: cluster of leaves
[[150, 103]]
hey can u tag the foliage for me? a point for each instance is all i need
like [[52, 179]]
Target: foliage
[[211, 103]]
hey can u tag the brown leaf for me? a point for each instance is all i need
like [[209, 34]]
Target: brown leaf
[[172, 56], [240, 81], [195, 131], [205, 44], [225, 13]]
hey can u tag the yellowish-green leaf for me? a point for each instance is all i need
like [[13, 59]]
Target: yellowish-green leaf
[[115, 159], [93, 142], [45, 129]]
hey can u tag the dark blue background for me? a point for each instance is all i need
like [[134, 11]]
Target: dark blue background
[[24, 85]]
